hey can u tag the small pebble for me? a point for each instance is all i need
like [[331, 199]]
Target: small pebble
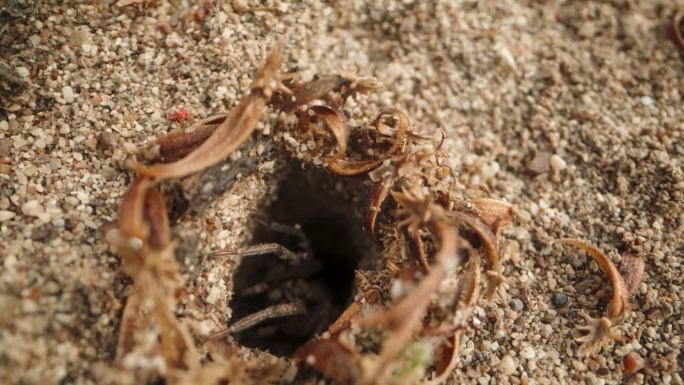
[[507, 365], [106, 140], [68, 94], [32, 208], [557, 163], [516, 304], [559, 299], [539, 164], [527, 353], [23, 72], [6, 215]]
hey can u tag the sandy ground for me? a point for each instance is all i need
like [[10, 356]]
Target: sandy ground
[[596, 85]]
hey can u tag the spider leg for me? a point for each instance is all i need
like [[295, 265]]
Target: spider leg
[[269, 313], [263, 248]]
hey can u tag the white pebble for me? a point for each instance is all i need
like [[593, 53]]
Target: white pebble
[[527, 353], [557, 163], [507, 365], [22, 71], [68, 94], [6, 215], [32, 208], [489, 170]]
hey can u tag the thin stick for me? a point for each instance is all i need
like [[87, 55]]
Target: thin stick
[[271, 312]]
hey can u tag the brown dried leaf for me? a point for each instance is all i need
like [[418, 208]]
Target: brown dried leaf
[[631, 270], [678, 28], [376, 196], [494, 275], [346, 167], [599, 331], [331, 358], [177, 144], [445, 358], [619, 299], [313, 90], [335, 122], [155, 215], [233, 131], [130, 219]]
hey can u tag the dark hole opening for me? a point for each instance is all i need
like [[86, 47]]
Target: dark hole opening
[[327, 209]]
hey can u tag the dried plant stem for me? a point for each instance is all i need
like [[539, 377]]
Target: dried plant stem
[[599, 331], [403, 318]]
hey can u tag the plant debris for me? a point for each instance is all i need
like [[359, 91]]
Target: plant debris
[[600, 331]]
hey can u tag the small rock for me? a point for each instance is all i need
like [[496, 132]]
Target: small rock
[[539, 164], [559, 299], [22, 71], [507, 365], [32, 208], [528, 353], [557, 163], [106, 140], [68, 94], [516, 304], [6, 215]]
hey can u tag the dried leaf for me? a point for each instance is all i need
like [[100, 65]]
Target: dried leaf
[[678, 28], [494, 275], [346, 167], [331, 358], [155, 215], [177, 144], [445, 358], [335, 122], [619, 299], [376, 196], [235, 129], [631, 270], [599, 331]]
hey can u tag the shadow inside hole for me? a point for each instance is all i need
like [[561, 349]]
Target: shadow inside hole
[[323, 281]]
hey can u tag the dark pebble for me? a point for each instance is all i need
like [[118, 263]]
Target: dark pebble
[[516, 304], [559, 299], [603, 371]]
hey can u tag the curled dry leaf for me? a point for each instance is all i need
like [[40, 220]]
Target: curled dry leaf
[[237, 126], [331, 358], [600, 330], [376, 196], [445, 358], [143, 240], [678, 28], [631, 270], [177, 144], [345, 167], [494, 274]]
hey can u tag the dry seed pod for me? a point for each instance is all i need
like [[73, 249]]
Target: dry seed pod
[[599, 331]]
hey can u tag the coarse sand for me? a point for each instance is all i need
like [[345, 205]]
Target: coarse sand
[[572, 111]]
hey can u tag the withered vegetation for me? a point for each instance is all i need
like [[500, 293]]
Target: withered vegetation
[[427, 232], [600, 332]]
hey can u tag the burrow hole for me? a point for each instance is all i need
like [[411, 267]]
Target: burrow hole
[[329, 211]]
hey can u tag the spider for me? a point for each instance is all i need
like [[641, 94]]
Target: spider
[[282, 294]]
